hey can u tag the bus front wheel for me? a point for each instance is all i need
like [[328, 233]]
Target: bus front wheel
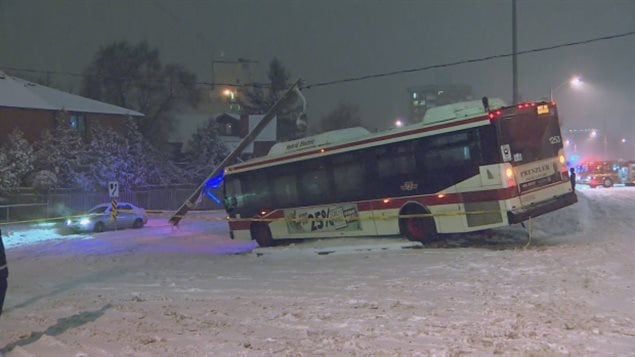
[[262, 234], [421, 229]]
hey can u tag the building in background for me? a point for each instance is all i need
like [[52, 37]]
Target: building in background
[[34, 108], [421, 98], [233, 128], [227, 77]]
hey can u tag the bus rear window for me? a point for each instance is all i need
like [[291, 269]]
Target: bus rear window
[[531, 137]]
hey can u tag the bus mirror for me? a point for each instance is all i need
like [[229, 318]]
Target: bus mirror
[[485, 101]]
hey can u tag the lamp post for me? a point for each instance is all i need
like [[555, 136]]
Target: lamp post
[[574, 82]]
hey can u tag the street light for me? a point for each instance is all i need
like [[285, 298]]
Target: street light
[[399, 123], [574, 82]]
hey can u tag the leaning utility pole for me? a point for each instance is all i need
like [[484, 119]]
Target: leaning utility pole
[[190, 202], [514, 55]]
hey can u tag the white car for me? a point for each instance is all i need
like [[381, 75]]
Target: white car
[[98, 218]]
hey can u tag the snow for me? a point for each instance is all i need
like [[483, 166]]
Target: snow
[[19, 93], [192, 291]]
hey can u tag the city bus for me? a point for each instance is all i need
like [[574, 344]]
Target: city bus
[[467, 166]]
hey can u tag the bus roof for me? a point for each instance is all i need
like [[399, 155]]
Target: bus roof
[[459, 110], [441, 119], [319, 140]]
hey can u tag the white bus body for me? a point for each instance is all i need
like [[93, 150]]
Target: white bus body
[[463, 169]]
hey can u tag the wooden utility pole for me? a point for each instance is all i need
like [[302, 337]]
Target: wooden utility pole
[[514, 55], [190, 202]]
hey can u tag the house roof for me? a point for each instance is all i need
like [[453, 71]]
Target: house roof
[[19, 93]]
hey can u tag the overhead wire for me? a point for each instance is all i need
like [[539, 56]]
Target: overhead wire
[[472, 60], [374, 75]]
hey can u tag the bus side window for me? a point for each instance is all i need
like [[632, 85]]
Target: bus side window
[[395, 164], [448, 158], [314, 183], [349, 176], [256, 192], [233, 194], [285, 186]]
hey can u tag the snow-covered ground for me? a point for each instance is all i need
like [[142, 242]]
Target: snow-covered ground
[[192, 291]]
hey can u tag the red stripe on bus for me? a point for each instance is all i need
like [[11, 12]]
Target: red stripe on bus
[[239, 225], [441, 199], [362, 142]]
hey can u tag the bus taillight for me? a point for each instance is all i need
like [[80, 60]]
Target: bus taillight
[[493, 114], [526, 105], [509, 174]]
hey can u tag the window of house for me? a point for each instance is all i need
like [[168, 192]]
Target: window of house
[[77, 122], [227, 129]]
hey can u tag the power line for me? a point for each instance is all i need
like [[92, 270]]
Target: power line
[[81, 75], [376, 75], [473, 60]]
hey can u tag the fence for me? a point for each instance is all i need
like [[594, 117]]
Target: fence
[[27, 204]]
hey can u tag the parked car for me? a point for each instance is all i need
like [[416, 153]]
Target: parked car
[[98, 218]]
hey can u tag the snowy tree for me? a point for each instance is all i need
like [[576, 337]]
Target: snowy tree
[[16, 161], [42, 180], [151, 166], [205, 151], [62, 152], [257, 100], [107, 160], [20, 152], [129, 159], [64, 159], [132, 76]]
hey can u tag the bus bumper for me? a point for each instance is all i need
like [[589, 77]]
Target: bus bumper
[[542, 208]]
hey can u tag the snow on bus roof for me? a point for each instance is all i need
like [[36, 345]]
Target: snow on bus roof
[[459, 110], [451, 112], [319, 140]]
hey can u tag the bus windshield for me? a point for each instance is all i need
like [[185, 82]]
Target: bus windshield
[[531, 136]]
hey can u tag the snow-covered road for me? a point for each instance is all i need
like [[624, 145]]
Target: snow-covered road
[[186, 292]]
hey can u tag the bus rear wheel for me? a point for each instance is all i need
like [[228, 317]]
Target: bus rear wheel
[[420, 229], [262, 234]]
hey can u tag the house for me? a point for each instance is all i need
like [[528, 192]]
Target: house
[[233, 128], [34, 108]]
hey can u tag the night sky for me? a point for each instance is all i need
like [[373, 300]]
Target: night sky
[[334, 39]]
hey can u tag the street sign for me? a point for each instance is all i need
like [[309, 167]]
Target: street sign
[[113, 189]]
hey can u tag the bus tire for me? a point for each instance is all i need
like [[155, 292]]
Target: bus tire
[[262, 234], [420, 229], [607, 182]]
